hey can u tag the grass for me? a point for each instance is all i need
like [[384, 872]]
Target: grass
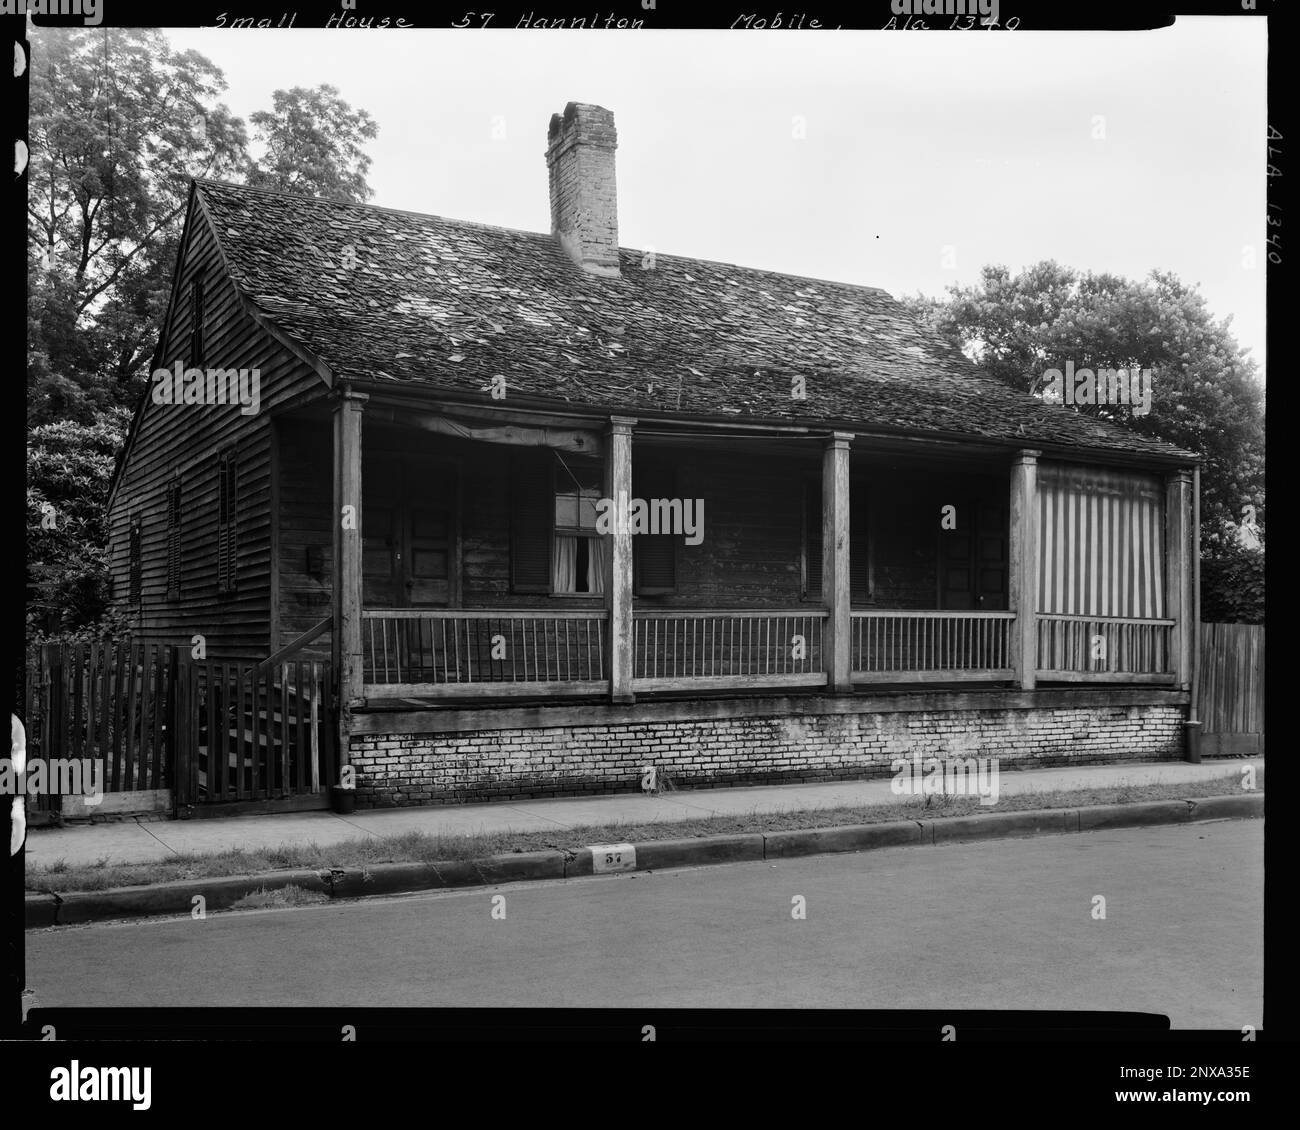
[[289, 895], [423, 847]]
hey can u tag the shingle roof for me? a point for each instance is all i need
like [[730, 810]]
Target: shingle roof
[[448, 304]]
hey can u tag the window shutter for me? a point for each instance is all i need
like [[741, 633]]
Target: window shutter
[[227, 512], [532, 520], [196, 329], [812, 540], [859, 544], [134, 561], [654, 556], [173, 540]]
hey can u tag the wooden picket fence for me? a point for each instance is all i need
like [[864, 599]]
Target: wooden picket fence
[[251, 734], [213, 732], [102, 701], [1230, 686]]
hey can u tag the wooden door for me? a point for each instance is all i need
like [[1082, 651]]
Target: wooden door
[[407, 533], [973, 562]]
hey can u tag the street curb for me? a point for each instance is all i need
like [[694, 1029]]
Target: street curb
[[49, 908], [844, 837], [391, 878], [173, 898]]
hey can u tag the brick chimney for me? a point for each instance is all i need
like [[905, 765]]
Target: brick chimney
[[584, 199]]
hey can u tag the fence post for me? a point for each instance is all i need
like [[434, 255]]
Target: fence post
[[55, 730]]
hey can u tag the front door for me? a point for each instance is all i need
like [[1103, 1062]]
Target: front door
[[407, 532], [973, 558]]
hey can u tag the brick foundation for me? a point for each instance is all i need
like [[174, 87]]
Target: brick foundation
[[406, 769]]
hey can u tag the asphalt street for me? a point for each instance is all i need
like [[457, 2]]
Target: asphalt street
[[993, 924]]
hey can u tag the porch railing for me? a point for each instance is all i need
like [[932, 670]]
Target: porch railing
[[678, 650], [911, 646], [1105, 649], [416, 652], [456, 653]]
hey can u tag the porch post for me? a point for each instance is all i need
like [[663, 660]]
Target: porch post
[[836, 646], [618, 562], [1178, 572], [346, 636], [1023, 581]]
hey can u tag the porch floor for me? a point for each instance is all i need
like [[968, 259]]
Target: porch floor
[[446, 704]]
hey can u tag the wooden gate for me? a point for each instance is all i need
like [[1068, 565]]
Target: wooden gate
[[253, 738], [1230, 686], [102, 702]]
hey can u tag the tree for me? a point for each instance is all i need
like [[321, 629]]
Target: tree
[[119, 123], [69, 465], [313, 145], [1206, 394]]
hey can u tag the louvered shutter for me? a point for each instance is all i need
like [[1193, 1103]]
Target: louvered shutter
[[859, 544], [173, 540], [812, 540], [227, 513], [135, 569], [197, 314], [532, 520], [654, 556]]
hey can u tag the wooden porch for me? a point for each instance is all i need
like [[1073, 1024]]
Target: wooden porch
[[1092, 580]]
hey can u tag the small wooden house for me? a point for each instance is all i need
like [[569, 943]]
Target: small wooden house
[[558, 511]]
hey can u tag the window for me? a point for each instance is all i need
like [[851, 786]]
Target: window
[[577, 551], [196, 323], [227, 510], [861, 574], [135, 567], [554, 547], [174, 539]]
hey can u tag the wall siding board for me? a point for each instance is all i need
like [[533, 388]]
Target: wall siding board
[[188, 439]]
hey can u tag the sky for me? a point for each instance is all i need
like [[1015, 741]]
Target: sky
[[922, 158]]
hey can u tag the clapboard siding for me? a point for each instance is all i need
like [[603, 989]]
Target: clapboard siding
[[187, 440]]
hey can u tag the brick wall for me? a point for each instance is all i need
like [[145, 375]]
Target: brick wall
[[397, 769]]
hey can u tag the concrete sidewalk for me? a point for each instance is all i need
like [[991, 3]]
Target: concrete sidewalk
[[131, 842]]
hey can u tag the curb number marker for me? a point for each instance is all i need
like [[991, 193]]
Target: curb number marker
[[613, 857]]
